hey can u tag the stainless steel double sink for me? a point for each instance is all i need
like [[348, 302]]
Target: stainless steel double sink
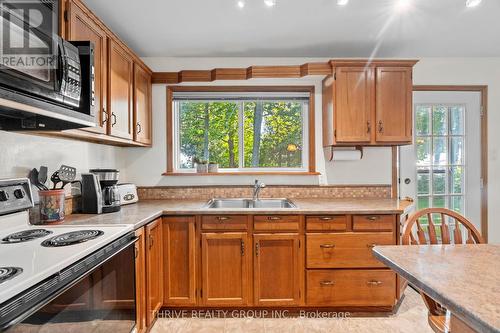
[[249, 203]]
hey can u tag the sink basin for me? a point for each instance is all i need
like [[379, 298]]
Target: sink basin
[[249, 203]]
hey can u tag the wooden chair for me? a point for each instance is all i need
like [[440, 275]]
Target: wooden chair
[[453, 229]]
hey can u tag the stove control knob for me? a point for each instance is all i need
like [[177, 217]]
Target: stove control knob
[[3, 196], [19, 194]]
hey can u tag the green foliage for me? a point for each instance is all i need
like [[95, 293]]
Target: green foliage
[[210, 131]]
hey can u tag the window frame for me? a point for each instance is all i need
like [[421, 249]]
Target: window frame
[[309, 157]]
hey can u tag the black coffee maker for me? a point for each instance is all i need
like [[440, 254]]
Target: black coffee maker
[[100, 192]]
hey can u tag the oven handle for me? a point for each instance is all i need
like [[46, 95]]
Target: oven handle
[[51, 297]]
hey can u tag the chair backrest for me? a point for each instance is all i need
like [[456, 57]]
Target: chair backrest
[[421, 229]]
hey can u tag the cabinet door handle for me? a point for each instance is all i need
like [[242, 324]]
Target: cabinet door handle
[[151, 241], [368, 127], [273, 218], [373, 218], [327, 283], [326, 218], [327, 246], [136, 252], [257, 248], [114, 119], [223, 218], [139, 128], [374, 283], [242, 248], [380, 126]]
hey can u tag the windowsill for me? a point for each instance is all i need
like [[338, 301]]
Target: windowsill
[[247, 173]]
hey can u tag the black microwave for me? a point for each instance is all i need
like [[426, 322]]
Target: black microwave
[[51, 91]]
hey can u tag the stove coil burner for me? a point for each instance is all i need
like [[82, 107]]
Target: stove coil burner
[[7, 273], [71, 238], [25, 236]]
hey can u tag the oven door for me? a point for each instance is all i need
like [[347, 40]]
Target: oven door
[[101, 301]]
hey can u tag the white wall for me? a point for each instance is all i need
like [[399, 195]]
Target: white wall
[[19, 153], [374, 168]]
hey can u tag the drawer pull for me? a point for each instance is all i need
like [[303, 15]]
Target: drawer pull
[[327, 246], [274, 218], [326, 283], [223, 218], [326, 218], [373, 218], [370, 246], [374, 283]]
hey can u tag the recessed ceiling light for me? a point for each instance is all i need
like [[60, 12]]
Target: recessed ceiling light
[[472, 3], [342, 2], [402, 5], [270, 3], [240, 4]]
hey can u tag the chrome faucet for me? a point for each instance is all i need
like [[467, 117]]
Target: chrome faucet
[[256, 189]]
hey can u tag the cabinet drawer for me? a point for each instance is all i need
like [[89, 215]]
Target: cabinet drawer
[[351, 288], [224, 222], [326, 223], [346, 250], [373, 222], [276, 222]]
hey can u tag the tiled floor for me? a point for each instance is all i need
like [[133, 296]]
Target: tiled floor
[[411, 318]]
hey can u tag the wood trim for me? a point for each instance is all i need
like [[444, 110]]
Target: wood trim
[[371, 63], [87, 136], [483, 89], [291, 173], [252, 72], [312, 134], [170, 135]]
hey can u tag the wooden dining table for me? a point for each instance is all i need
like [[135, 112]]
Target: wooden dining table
[[463, 278]]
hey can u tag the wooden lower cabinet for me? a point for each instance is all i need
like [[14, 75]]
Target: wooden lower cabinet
[[140, 280], [225, 269], [351, 287], [154, 270], [278, 269], [179, 261]]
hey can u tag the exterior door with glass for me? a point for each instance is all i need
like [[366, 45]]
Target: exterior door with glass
[[443, 166]]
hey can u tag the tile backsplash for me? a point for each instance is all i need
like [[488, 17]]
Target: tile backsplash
[[274, 191]]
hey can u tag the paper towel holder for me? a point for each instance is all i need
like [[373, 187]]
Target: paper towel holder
[[332, 151]]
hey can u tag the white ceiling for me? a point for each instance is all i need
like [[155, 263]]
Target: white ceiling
[[304, 28]]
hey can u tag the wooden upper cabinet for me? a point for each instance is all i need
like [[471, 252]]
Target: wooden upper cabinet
[[368, 103], [154, 270], [80, 26], [179, 265], [278, 269], [120, 90], [394, 104], [354, 89], [225, 269], [142, 105]]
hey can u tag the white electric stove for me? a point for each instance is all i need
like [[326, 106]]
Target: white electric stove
[[36, 257]]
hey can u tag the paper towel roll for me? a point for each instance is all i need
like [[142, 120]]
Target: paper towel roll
[[346, 155]]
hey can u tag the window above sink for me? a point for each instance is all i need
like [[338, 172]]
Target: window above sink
[[245, 130]]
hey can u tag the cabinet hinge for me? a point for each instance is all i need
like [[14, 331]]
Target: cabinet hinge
[[335, 76], [481, 183], [482, 111], [65, 16], [334, 133]]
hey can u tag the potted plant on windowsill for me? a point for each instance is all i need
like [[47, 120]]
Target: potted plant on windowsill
[[213, 167], [201, 166]]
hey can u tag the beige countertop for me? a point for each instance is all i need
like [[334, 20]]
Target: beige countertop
[[143, 212], [463, 278]]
